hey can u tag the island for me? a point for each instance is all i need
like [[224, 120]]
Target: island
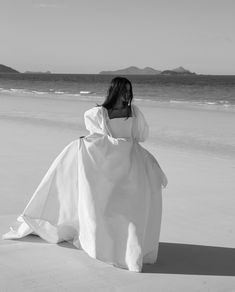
[[6, 69], [177, 71], [133, 70], [37, 72]]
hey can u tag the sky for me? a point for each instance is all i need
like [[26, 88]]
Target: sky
[[88, 36]]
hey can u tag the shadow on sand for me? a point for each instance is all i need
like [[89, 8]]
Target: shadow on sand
[[177, 258]]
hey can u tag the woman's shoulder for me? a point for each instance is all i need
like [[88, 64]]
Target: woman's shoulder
[[94, 111], [135, 110]]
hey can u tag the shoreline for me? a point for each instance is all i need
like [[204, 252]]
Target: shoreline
[[212, 132], [173, 103]]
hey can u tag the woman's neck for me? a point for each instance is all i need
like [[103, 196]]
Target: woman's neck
[[119, 112]]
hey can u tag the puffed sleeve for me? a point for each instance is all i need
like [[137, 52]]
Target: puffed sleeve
[[140, 127], [93, 120]]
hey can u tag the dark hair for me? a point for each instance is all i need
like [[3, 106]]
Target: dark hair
[[117, 89]]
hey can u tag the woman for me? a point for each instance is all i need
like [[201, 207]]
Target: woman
[[103, 192]]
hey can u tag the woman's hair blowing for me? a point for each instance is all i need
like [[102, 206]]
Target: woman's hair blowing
[[116, 90]]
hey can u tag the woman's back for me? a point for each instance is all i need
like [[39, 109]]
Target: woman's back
[[120, 112], [119, 125]]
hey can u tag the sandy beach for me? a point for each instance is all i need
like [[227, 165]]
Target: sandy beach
[[194, 146]]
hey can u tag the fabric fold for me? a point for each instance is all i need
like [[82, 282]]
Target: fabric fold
[[103, 194]]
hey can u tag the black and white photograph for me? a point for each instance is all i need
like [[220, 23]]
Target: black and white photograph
[[117, 152]]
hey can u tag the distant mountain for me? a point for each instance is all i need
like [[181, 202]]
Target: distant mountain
[[35, 72], [148, 71], [177, 71], [181, 70], [132, 71], [6, 69]]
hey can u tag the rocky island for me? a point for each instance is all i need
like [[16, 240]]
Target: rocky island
[[133, 70], [177, 71], [37, 72], [6, 69]]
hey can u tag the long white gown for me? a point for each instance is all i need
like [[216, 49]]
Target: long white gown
[[103, 193]]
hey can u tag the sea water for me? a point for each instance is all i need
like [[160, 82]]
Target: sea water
[[212, 91], [209, 128]]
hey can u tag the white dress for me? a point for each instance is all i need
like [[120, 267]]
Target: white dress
[[103, 193]]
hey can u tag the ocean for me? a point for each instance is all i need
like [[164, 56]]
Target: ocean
[[210, 91]]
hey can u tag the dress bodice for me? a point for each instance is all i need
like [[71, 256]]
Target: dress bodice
[[97, 121], [120, 127]]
